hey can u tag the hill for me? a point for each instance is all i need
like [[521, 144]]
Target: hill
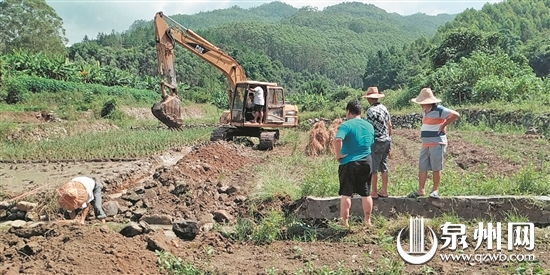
[[273, 42]]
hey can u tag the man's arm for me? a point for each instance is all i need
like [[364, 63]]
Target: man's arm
[[338, 148], [84, 213], [390, 126], [452, 117]]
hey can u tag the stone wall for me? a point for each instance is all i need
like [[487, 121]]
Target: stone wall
[[540, 122], [533, 123]]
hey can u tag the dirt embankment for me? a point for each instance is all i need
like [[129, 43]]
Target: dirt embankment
[[206, 185]]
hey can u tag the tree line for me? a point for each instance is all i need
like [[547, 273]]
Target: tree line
[[494, 53]]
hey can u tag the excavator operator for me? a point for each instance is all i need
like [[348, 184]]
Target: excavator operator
[[259, 102], [249, 112]]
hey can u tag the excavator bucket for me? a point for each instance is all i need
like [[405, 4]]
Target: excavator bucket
[[168, 111]]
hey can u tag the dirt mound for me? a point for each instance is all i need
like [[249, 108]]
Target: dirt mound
[[207, 184], [73, 249]]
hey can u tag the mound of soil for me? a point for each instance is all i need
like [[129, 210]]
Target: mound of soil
[[73, 249], [207, 184]]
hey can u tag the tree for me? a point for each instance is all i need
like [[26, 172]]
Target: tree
[[31, 25]]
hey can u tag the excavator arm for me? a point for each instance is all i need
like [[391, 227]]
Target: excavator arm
[[168, 110]]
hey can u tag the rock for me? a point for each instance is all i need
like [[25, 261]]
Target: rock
[[111, 208], [139, 189], [31, 248], [5, 205], [180, 189], [139, 204], [122, 209], [186, 230], [104, 229], [28, 231], [222, 216], [240, 198], [228, 189], [32, 216], [139, 212], [3, 214], [25, 206], [18, 224], [150, 184], [35, 224], [157, 242], [146, 227], [131, 229], [20, 215], [132, 197], [115, 196], [157, 219]]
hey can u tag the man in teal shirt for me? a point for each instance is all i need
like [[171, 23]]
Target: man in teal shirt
[[352, 146]]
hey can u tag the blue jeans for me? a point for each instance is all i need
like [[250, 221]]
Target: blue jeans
[[97, 202]]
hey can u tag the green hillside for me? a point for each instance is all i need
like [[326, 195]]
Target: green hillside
[[292, 45], [500, 53]]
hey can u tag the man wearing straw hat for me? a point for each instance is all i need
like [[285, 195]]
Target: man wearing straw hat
[[78, 194], [435, 118], [379, 117]]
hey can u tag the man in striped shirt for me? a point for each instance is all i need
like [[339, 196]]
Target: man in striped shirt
[[435, 118]]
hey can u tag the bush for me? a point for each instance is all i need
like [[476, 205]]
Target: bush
[[15, 90]]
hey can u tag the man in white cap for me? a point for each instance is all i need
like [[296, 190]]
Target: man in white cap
[[379, 117], [435, 118]]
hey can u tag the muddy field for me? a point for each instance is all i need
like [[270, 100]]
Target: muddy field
[[196, 188]]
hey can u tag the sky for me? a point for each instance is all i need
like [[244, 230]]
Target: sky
[[89, 17]]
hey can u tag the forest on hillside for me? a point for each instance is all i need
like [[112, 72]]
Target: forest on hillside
[[500, 52]]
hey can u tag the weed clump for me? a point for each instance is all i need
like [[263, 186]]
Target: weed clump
[[332, 130]]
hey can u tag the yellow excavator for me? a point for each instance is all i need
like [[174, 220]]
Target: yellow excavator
[[233, 122]]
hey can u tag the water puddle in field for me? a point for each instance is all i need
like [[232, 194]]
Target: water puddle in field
[[17, 178]]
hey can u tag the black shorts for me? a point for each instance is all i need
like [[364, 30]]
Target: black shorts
[[354, 177], [258, 108]]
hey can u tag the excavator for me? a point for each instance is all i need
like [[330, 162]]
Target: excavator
[[277, 113]]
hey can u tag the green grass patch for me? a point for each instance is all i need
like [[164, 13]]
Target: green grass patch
[[124, 143]]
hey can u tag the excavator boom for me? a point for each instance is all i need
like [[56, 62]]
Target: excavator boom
[[236, 121], [168, 110]]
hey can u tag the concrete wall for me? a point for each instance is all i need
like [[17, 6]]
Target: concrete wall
[[496, 208]]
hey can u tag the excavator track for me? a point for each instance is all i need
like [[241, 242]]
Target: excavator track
[[268, 139], [221, 133]]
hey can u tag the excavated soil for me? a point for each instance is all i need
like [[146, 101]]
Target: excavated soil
[[58, 248]]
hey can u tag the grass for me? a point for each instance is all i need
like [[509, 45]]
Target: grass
[[380, 238], [298, 175], [116, 144]]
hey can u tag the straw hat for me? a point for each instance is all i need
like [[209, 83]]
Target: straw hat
[[72, 195], [426, 96], [372, 92]]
